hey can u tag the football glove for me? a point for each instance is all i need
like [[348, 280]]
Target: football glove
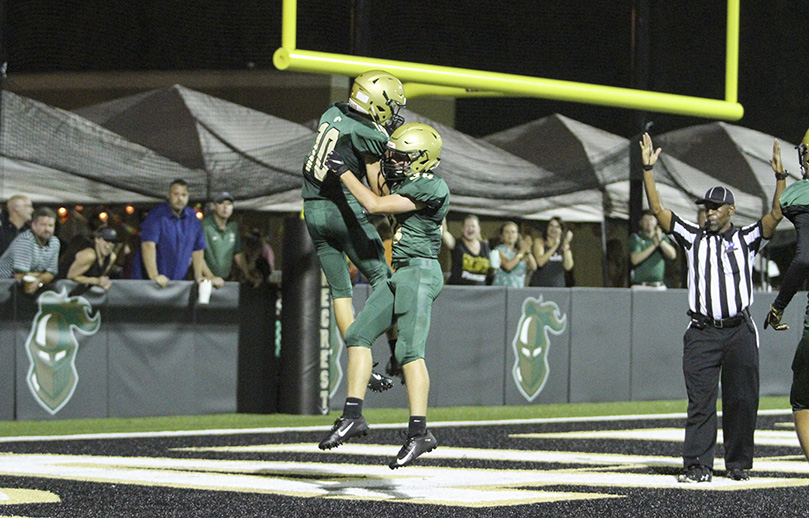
[[335, 162], [774, 319]]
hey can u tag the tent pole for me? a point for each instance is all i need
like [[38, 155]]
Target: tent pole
[[640, 79]]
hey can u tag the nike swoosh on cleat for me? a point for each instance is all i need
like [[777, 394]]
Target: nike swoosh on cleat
[[342, 433], [406, 459]]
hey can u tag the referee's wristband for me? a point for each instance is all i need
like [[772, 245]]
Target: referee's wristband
[[781, 176], [648, 167]]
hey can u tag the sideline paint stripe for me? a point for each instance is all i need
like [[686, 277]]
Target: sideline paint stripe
[[388, 426], [762, 437]]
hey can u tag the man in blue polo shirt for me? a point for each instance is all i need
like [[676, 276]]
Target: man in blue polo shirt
[[171, 241]]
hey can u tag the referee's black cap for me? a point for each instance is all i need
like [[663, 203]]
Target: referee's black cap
[[719, 195]]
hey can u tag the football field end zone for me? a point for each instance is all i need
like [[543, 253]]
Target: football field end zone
[[559, 477]]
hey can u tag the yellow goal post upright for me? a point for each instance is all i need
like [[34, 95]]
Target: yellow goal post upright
[[422, 80]]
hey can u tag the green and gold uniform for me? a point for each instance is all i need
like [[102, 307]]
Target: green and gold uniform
[[407, 297], [334, 218], [795, 205]]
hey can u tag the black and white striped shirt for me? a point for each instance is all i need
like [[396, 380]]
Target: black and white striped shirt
[[25, 255], [720, 266]]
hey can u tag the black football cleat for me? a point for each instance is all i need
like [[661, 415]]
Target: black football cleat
[[379, 382], [344, 429], [413, 447]]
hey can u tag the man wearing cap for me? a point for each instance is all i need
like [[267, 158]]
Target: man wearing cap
[[92, 265], [223, 244], [721, 339]]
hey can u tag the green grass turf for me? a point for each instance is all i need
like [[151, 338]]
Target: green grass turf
[[226, 421]]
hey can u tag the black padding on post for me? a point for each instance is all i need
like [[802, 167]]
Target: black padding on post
[[300, 329]]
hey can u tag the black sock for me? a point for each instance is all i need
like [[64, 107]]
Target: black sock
[[353, 408], [392, 346], [417, 425]]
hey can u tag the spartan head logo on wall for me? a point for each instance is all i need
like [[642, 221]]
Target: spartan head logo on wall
[[531, 344], [52, 347]]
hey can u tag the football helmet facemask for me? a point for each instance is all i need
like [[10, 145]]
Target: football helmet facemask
[[803, 155], [378, 95], [412, 148]]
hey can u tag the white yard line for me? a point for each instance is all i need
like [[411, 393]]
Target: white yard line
[[437, 424]]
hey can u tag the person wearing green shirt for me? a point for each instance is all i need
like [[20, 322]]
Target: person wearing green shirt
[[224, 245], [420, 200], [648, 250], [794, 203], [358, 130]]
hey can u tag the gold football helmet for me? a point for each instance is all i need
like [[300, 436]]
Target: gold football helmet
[[803, 154], [412, 148], [379, 95]]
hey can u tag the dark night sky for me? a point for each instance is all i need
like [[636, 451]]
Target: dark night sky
[[587, 41]]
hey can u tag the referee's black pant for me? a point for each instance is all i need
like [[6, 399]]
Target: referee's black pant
[[733, 352]]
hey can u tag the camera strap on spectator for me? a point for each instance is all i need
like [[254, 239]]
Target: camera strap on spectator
[[701, 321]]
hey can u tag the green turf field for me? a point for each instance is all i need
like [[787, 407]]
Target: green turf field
[[223, 421]]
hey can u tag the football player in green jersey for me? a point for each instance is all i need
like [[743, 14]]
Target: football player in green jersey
[[420, 200], [358, 130]]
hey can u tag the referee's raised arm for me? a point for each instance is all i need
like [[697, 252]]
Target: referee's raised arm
[[772, 218], [649, 156]]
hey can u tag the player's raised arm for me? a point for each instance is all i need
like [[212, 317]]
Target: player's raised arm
[[389, 204]]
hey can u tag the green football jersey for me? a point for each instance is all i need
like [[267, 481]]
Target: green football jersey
[[351, 135], [795, 194], [418, 233]]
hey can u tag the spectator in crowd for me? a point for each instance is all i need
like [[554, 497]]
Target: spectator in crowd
[[258, 257], [470, 254], [92, 265], [648, 250], [516, 259], [172, 241], [222, 240], [553, 255], [34, 254], [721, 339], [18, 213]]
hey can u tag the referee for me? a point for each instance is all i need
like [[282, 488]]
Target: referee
[[721, 337]]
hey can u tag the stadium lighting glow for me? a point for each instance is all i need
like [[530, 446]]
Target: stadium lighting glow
[[103, 216], [199, 214], [130, 209], [62, 211], [458, 82]]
